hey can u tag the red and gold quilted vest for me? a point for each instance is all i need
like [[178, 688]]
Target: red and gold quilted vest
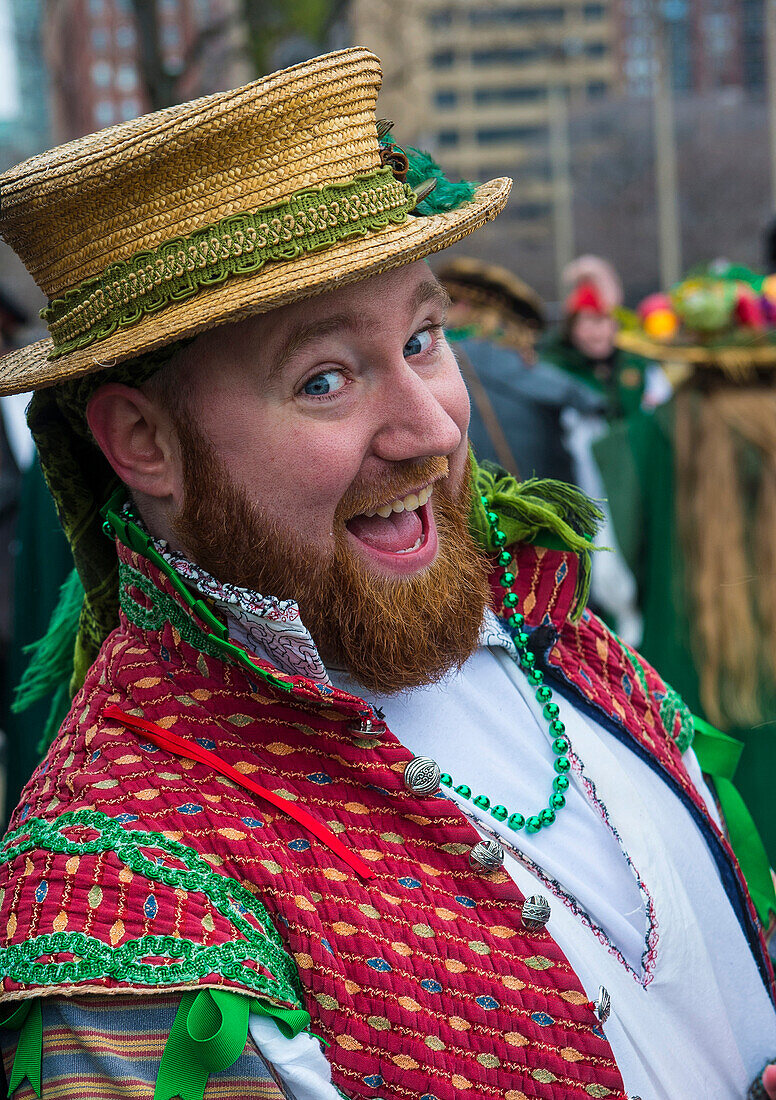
[[128, 868]]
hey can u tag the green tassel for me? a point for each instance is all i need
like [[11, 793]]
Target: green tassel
[[539, 510], [51, 660]]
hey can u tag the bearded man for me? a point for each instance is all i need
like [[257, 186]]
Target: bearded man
[[239, 842]]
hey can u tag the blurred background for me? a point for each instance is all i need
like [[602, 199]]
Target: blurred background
[[630, 126]]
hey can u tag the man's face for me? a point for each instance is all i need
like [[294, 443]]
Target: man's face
[[331, 404], [593, 333], [325, 460]]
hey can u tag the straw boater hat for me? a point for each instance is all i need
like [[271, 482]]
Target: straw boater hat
[[157, 229], [490, 290]]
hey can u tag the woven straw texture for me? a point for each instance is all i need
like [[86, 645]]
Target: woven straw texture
[[72, 212], [735, 359]]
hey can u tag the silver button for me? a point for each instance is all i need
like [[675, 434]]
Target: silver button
[[603, 1004], [536, 913], [486, 856], [367, 728], [422, 775]]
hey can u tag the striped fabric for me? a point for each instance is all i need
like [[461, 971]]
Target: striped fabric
[[109, 1048]]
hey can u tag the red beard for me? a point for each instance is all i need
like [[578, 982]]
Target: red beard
[[390, 634]]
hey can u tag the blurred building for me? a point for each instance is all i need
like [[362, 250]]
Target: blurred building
[[473, 80], [710, 44], [99, 59], [24, 117]]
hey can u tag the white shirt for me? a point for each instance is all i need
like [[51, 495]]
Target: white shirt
[[636, 900], [637, 904]]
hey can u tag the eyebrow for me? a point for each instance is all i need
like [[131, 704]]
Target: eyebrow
[[428, 292]]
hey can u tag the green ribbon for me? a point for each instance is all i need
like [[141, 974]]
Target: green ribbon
[[290, 1021], [209, 1034], [27, 1019], [718, 755]]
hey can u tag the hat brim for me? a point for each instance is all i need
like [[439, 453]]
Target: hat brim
[[276, 284], [732, 357]]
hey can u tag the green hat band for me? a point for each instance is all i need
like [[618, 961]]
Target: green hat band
[[241, 244]]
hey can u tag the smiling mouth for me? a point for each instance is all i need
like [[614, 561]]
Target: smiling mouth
[[401, 526]]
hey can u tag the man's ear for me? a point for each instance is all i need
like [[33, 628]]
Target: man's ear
[[137, 438]]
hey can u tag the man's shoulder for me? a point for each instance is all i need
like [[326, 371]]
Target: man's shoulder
[[617, 678]]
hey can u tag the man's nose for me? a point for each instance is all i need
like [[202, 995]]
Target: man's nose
[[413, 416]]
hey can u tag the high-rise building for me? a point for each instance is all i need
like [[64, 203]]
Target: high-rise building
[[475, 80], [94, 52], [24, 116], [709, 44]]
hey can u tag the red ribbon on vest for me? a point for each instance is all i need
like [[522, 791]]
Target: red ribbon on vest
[[173, 743]]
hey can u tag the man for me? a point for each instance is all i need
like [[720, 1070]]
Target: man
[[237, 840]]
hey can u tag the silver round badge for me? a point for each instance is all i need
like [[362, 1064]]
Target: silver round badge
[[486, 856], [536, 913], [422, 775]]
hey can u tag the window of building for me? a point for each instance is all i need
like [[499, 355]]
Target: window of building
[[596, 49], [442, 59], [125, 36], [519, 93], [542, 13], [171, 36], [130, 108], [104, 112], [538, 168], [169, 7], [447, 138], [100, 39], [445, 97], [97, 8], [597, 89], [442, 17], [510, 55], [102, 74], [492, 135], [593, 11], [126, 78], [529, 211]]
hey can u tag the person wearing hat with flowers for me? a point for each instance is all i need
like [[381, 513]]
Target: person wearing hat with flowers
[[691, 493], [603, 385], [353, 796]]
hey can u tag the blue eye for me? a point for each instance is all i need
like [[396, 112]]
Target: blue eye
[[321, 384], [419, 342]]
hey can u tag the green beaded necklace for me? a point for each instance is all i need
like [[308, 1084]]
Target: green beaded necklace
[[550, 710]]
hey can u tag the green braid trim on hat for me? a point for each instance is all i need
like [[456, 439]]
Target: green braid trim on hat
[[539, 510], [241, 244]]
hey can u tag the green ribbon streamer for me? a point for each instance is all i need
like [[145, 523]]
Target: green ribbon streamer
[[27, 1019], [209, 1034], [718, 755], [290, 1021]]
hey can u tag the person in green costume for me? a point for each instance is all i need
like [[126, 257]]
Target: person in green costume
[[605, 384], [584, 344], [692, 493]]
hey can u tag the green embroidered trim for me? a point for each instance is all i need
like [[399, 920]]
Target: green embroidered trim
[[128, 962], [240, 244], [672, 706], [163, 609]]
